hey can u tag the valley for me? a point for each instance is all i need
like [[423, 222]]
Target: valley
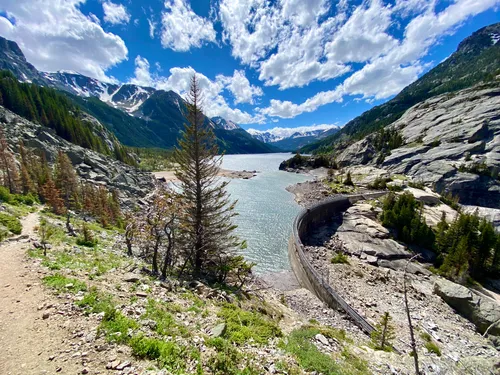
[[140, 236]]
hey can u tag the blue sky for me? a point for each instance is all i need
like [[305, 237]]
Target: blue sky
[[262, 63]]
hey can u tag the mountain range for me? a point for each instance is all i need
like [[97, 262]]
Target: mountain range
[[291, 139], [138, 116]]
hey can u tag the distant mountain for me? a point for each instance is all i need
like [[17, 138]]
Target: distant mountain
[[290, 139], [476, 60], [138, 116]]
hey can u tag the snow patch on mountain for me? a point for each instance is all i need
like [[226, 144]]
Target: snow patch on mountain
[[277, 134], [226, 124]]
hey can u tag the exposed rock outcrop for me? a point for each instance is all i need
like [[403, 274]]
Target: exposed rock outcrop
[[90, 165], [480, 310], [451, 143]]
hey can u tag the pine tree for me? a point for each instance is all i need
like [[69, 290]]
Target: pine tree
[[206, 221], [383, 333]]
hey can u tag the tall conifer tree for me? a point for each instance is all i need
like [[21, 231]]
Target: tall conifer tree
[[206, 221]]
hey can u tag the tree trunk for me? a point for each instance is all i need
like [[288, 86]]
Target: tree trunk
[[412, 335]]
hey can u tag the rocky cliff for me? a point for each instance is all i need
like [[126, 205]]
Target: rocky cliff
[[90, 165], [450, 143]]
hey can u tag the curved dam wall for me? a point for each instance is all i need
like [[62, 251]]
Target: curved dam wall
[[306, 274]]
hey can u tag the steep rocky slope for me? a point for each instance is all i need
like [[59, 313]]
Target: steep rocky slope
[[450, 143], [90, 165]]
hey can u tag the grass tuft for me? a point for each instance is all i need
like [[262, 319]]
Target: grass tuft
[[64, 284]]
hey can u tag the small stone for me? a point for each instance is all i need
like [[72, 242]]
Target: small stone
[[218, 330], [52, 357], [113, 364], [69, 286], [322, 339], [45, 316], [85, 371], [123, 365], [59, 369], [131, 278], [141, 294]]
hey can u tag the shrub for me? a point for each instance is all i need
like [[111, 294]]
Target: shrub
[[380, 183], [95, 302], [383, 333], [87, 239], [11, 222], [340, 258], [348, 179]]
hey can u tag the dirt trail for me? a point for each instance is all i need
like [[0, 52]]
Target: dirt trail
[[27, 341]]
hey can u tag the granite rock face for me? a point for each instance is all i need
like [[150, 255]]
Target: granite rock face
[[451, 144], [91, 166], [480, 310]]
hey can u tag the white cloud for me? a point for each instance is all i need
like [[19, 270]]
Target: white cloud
[[363, 37], [287, 109], [152, 28], [240, 87], [390, 64], [142, 73], [214, 103], [182, 28], [56, 35], [115, 14]]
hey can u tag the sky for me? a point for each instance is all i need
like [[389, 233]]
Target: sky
[[261, 63]]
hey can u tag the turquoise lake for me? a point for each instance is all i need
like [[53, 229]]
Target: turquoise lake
[[266, 210]]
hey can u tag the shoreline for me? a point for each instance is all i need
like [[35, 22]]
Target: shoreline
[[168, 176]]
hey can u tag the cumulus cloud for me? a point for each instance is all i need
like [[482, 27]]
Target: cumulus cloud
[[389, 64], [182, 28], [115, 14], [239, 85], [178, 80], [56, 35]]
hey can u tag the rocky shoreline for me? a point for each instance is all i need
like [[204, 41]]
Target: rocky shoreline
[[166, 176]]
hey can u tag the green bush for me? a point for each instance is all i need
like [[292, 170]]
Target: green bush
[[12, 223], [95, 302], [340, 258]]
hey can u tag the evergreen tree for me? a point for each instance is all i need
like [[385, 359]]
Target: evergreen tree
[[383, 333], [206, 220]]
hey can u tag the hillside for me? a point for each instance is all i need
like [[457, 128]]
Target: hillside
[[477, 59], [137, 116]]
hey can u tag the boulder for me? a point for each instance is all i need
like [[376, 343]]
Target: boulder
[[426, 197], [480, 310]]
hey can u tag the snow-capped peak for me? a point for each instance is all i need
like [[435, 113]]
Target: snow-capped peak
[[277, 134], [226, 124]]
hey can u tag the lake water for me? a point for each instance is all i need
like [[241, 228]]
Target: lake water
[[266, 210]]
